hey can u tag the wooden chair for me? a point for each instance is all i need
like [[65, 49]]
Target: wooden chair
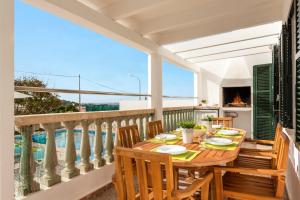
[[261, 158], [254, 183], [154, 128], [225, 121], [129, 187], [128, 136], [266, 146]]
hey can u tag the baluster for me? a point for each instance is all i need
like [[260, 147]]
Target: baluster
[[186, 114], [118, 122], [85, 148], [70, 170], [180, 115], [146, 126], [176, 118], [50, 160], [134, 121], [141, 127], [173, 120], [126, 121], [166, 122], [98, 146], [27, 164], [108, 142]]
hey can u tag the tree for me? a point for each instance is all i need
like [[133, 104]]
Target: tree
[[40, 103]]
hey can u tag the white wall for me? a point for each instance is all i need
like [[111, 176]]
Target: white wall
[[78, 187], [231, 73]]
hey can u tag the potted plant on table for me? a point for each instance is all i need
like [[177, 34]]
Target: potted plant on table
[[207, 121], [187, 131], [203, 102]]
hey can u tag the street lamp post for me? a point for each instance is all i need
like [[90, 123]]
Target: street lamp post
[[139, 80]]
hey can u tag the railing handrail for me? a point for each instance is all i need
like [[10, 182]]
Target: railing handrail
[[90, 92], [24, 120], [178, 108]]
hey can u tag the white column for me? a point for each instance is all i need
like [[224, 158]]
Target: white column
[[155, 84], [7, 99], [197, 88]]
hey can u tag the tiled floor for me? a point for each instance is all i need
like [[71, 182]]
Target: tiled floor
[[109, 194]]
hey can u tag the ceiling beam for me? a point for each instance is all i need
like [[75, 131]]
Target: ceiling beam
[[234, 21], [229, 51], [227, 43], [196, 14], [225, 58], [126, 8], [91, 19]]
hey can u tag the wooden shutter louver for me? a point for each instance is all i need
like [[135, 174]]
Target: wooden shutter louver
[[276, 81], [298, 100], [298, 25], [286, 94]]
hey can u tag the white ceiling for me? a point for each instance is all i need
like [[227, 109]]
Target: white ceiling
[[189, 24], [169, 21], [239, 43], [187, 32]]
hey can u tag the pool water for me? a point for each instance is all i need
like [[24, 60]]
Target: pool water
[[60, 140]]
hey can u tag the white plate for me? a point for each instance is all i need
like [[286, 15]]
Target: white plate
[[217, 126], [165, 136], [218, 141], [171, 149], [228, 132]]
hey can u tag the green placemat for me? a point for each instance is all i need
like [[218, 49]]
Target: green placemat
[[231, 147], [238, 135], [187, 156], [158, 141]]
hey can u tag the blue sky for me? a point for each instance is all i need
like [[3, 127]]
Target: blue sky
[[46, 44]]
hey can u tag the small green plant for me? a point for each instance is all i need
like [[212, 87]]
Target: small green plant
[[186, 124], [204, 101], [208, 118]]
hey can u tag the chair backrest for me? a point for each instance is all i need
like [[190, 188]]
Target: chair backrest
[[277, 138], [283, 152], [125, 171], [128, 136], [154, 128], [225, 121]]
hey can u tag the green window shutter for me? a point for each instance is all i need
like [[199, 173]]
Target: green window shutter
[[298, 25], [276, 81], [298, 101], [286, 83], [263, 102]]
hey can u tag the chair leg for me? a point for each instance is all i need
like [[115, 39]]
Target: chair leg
[[205, 192], [280, 186], [218, 184], [176, 178]]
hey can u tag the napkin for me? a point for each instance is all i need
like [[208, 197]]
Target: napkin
[[159, 141], [187, 156]]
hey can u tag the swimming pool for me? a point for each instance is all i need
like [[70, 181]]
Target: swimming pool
[[60, 140]]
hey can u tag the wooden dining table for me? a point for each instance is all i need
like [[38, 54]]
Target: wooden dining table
[[206, 157]]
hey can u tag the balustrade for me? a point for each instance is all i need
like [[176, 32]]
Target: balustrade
[[171, 116], [89, 156], [71, 124]]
